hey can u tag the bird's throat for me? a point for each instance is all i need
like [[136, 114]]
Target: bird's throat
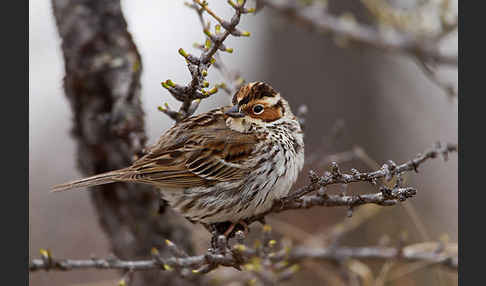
[[239, 124]]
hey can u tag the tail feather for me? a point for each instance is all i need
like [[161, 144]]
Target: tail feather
[[96, 180]]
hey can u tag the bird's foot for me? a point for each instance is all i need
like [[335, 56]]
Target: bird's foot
[[228, 229]]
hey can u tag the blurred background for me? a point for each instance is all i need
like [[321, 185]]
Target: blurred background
[[381, 105]]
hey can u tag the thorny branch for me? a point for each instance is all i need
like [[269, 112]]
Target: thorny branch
[[191, 94]]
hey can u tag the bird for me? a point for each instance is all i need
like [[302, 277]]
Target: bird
[[222, 166]]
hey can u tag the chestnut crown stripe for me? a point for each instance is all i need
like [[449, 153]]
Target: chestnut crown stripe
[[253, 91]]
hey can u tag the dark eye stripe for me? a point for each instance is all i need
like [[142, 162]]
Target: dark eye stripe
[[245, 100]]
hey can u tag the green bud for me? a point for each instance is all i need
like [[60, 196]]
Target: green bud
[[232, 4], [44, 252], [182, 53], [155, 251], [213, 90], [207, 44], [239, 247], [294, 268]]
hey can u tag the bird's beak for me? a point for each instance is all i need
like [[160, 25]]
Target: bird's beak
[[234, 112]]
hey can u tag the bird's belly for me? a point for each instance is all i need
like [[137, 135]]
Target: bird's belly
[[240, 199]]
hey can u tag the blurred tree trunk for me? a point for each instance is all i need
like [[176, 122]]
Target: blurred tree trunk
[[102, 84]]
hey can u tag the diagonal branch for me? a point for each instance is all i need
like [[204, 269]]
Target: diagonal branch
[[191, 94], [431, 73]]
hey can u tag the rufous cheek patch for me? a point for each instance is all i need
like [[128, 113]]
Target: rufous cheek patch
[[270, 114]]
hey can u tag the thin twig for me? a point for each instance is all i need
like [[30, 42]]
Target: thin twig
[[244, 255], [191, 94], [432, 74]]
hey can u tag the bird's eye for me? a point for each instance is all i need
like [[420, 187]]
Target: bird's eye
[[257, 109]]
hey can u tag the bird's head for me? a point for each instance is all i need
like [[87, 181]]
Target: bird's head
[[257, 104]]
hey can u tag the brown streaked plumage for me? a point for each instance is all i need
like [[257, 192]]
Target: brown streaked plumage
[[224, 165]]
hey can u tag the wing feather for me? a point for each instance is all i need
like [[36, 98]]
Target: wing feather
[[199, 151]]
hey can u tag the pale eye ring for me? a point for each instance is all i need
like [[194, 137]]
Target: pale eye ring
[[258, 109]]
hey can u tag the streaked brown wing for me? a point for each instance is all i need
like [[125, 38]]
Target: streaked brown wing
[[196, 152]]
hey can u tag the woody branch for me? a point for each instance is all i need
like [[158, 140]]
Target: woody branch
[[244, 254], [239, 255], [191, 94], [300, 199]]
